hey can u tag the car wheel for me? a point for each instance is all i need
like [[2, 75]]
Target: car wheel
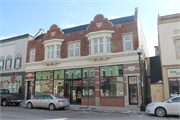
[[61, 108], [5, 102], [29, 105], [17, 104], [160, 112], [52, 106]]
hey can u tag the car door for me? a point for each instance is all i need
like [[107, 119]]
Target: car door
[[174, 106], [38, 101], [46, 101]]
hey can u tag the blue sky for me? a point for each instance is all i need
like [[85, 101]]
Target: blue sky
[[19, 17]]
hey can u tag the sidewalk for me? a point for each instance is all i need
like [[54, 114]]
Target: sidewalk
[[106, 109]]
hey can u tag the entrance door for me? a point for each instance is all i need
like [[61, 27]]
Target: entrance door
[[28, 90], [73, 90], [76, 94], [133, 96]]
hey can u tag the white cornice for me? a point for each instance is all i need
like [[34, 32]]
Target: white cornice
[[53, 40], [101, 33]]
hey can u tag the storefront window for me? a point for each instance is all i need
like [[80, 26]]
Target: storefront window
[[43, 75], [88, 72], [174, 85], [59, 87], [73, 73], [89, 85], [41, 87], [111, 87], [59, 74], [108, 71]]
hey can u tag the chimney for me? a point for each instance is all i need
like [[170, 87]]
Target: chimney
[[136, 14]]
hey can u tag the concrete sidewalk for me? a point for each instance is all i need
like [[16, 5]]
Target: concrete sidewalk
[[106, 109]]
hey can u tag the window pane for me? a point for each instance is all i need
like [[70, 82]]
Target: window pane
[[77, 52], [89, 85], [71, 46], [59, 87], [111, 71], [101, 40], [8, 64], [108, 47], [73, 73], [95, 41], [128, 37], [17, 63], [49, 48], [52, 52], [58, 53], [52, 47], [1, 64], [71, 52], [108, 40], [88, 72], [173, 87], [77, 44], [48, 54], [32, 51], [101, 48], [95, 48], [59, 74], [41, 87], [128, 45], [111, 87], [58, 47]]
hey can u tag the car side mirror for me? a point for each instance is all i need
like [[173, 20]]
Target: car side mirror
[[169, 101]]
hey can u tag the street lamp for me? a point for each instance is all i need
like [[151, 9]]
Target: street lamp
[[142, 106]]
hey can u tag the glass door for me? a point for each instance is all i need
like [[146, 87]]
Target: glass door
[[133, 90]]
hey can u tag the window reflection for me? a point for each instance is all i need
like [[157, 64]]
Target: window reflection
[[89, 85]]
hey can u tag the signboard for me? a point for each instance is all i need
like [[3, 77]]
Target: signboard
[[173, 72]]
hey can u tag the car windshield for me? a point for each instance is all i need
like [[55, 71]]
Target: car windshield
[[57, 96], [166, 99]]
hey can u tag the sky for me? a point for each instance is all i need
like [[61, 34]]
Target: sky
[[18, 17]]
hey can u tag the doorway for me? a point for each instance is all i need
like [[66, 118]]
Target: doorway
[[133, 90], [73, 90], [28, 90]]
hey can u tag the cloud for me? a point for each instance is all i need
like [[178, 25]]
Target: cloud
[[167, 7], [112, 17], [5, 37], [68, 25], [151, 42]]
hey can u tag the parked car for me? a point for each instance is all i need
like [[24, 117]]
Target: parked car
[[7, 97], [170, 106], [48, 101]]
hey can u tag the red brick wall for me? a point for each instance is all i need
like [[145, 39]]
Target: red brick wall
[[85, 99], [116, 40], [112, 101]]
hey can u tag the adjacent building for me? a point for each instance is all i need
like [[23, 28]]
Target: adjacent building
[[12, 60], [98, 59], [169, 51]]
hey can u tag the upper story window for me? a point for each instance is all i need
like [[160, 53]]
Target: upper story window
[[1, 62], [74, 49], [52, 48], [176, 42], [32, 55], [8, 62], [17, 63], [128, 42]]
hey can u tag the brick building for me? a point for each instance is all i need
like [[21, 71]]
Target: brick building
[[99, 59]]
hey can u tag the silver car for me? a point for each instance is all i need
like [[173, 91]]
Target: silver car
[[48, 101]]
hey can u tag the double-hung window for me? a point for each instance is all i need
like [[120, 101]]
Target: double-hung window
[[58, 51], [1, 65], [74, 49], [128, 42], [32, 55], [51, 50], [8, 64], [17, 63]]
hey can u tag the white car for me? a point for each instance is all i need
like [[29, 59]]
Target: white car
[[167, 107]]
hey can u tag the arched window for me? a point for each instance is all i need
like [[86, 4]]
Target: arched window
[[128, 41], [17, 61], [8, 62], [2, 63]]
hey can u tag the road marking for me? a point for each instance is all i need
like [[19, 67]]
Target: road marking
[[141, 115]]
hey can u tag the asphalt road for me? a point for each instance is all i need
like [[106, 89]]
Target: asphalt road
[[23, 113]]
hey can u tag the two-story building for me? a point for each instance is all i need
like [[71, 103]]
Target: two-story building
[[12, 60], [169, 51], [98, 59]]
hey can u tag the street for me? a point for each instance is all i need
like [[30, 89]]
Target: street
[[23, 113]]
